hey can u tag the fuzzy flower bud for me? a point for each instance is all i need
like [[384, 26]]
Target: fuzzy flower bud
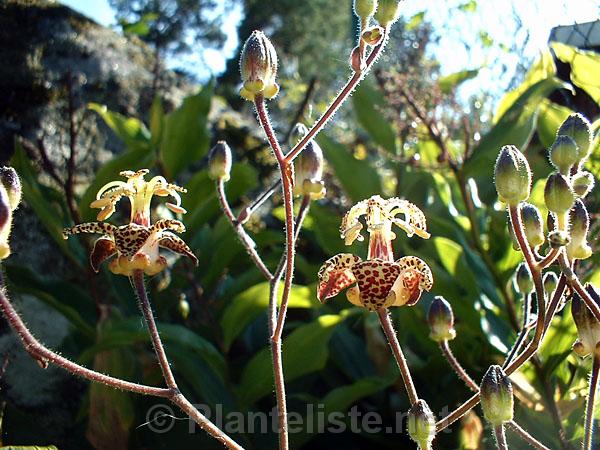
[[558, 195], [533, 224], [512, 175], [258, 67], [579, 224], [558, 238], [308, 168], [583, 183], [421, 424], [523, 279], [496, 396], [5, 223], [550, 281], [388, 12], [372, 36], [365, 8], [441, 320], [11, 182], [588, 328], [564, 153], [579, 129], [219, 162]]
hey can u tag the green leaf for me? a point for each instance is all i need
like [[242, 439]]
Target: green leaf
[[415, 21], [130, 130], [449, 82], [305, 351], [369, 105], [470, 6], [157, 121], [585, 66], [359, 179], [486, 39], [185, 136], [247, 306], [550, 118]]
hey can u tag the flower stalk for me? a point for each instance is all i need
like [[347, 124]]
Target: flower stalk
[[591, 404]]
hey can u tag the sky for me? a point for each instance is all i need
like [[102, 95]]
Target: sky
[[459, 29]]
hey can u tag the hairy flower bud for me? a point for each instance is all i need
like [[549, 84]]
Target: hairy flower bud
[[558, 194], [5, 223], [421, 424], [258, 67], [219, 161], [441, 320], [533, 224], [372, 36], [588, 328], [512, 175], [388, 12], [564, 153], [558, 238], [579, 129], [365, 8], [583, 183], [11, 182], [579, 224], [523, 279], [550, 281], [496, 396], [308, 168]]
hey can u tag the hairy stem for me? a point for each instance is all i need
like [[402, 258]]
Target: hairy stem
[[388, 329], [576, 285], [523, 434], [500, 434], [458, 368], [523, 333], [591, 405]]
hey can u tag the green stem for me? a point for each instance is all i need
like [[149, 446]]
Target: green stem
[[500, 435], [591, 405]]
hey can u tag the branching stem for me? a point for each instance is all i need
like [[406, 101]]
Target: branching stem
[[458, 368]]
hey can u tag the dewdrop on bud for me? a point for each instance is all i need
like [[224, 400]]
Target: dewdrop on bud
[[308, 169], [558, 195], [11, 182], [564, 153], [523, 279], [258, 67], [579, 129], [558, 238], [421, 424], [532, 224], [588, 328], [441, 320], [550, 281], [496, 396], [583, 183], [365, 8], [579, 224], [388, 12], [372, 36], [219, 162], [512, 175], [357, 62]]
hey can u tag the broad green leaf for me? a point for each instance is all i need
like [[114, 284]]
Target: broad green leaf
[[157, 121], [449, 82], [558, 341], [550, 118], [415, 21], [359, 179], [449, 253], [585, 66], [130, 130], [369, 106], [305, 351], [247, 306], [185, 137]]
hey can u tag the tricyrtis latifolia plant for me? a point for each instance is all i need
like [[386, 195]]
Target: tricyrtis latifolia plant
[[377, 282]]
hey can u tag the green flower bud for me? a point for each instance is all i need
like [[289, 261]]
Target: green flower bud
[[11, 182], [496, 396], [441, 320], [558, 238], [512, 176], [372, 36], [388, 12], [258, 67], [579, 129], [550, 281], [533, 224], [5, 223], [579, 224], [421, 424], [365, 8], [308, 169], [523, 279], [219, 162], [564, 153], [558, 195], [588, 328], [583, 183]]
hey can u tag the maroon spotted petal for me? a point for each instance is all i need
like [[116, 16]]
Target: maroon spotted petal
[[336, 275], [104, 248], [375, 280]]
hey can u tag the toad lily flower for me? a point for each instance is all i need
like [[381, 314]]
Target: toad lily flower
[[135, 245], [378, 282]]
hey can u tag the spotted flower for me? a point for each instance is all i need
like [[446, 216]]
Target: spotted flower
[[135, 245], [379, 281]]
